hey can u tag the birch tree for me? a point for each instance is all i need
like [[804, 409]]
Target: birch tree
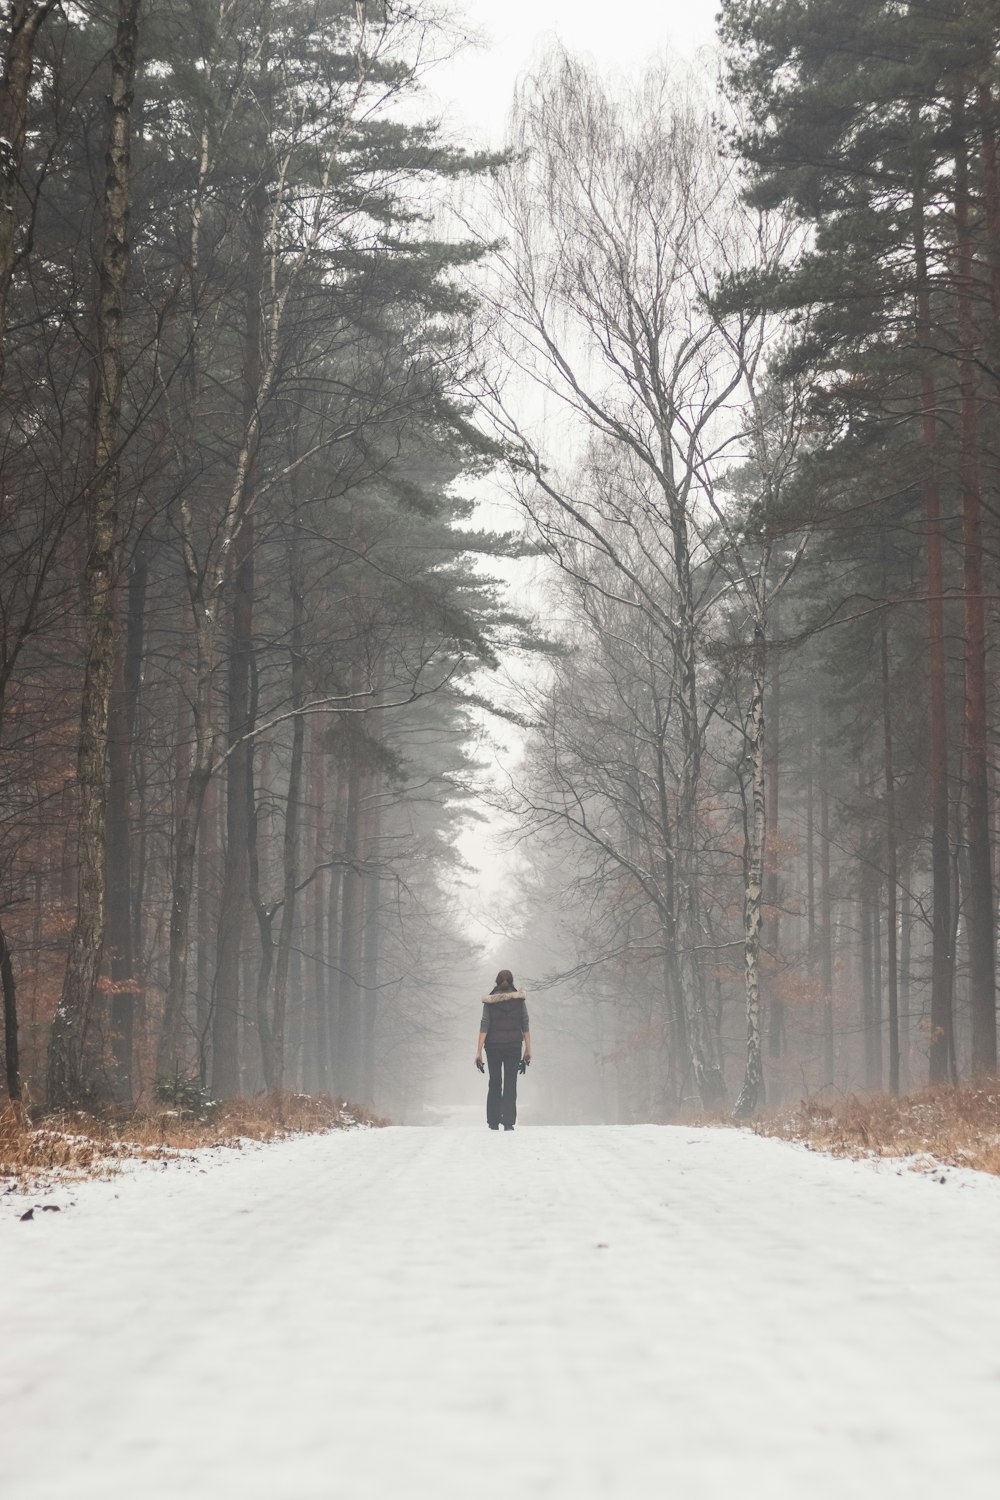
[[758, 547], [619, 218]]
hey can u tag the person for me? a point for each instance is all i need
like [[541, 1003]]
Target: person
[[503, 1031]]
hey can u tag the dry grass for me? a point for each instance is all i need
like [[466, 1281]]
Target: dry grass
[[81, 1145], [954, 1127]]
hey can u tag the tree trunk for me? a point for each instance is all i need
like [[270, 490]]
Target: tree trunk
[[239, 792], [942, 958], [951, 1048], [866, 963], [318, 1075], [979, 899], [775, 1005], [679, 1061], [124, 888], [701, 1033], [826, 913], [810, 856], [891, 863], [12, 1056], [752, 1093], [185, 847], [260, 1058], [990, 165], [290, 843], [135, 645], [878, 1070], [905, 947], [186, 837], [349, 1032], [334, 943], [372, 934], [120, 954], [72, 1059], [236, 875], [195, 839], [265, 963], [207, 887]]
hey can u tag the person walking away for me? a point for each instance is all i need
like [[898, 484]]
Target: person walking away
[[503, 1031]]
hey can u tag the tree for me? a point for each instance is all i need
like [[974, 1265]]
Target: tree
[[610, 309], [289, 557], [758, 548], [68, 1069], [23, 23], [318, 138], [868, 153]]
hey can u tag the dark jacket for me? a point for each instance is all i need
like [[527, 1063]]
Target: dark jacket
[[505, 1018]]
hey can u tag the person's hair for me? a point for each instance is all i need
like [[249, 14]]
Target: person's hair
[[505, 977]]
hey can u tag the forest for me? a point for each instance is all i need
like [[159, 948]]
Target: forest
[[726, 336]]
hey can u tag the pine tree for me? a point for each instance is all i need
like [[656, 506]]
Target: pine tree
[[868, 125]]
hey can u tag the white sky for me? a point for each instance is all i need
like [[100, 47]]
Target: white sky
[[475, 88]]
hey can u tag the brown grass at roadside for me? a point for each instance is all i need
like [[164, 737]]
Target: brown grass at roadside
[[955, 1127], [78, 1144]]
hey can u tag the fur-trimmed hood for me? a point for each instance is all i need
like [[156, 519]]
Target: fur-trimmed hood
[[504, 995]]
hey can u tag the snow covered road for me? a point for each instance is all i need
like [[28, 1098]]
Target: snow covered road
[[562, 1312]]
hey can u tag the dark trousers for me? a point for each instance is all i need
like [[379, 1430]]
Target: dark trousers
[[501, 1097]]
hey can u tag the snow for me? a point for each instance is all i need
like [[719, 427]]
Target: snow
[[560, 1312]]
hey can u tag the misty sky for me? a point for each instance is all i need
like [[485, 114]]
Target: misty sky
[[475, 88]]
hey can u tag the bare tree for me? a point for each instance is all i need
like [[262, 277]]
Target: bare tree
[[619, 220]]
